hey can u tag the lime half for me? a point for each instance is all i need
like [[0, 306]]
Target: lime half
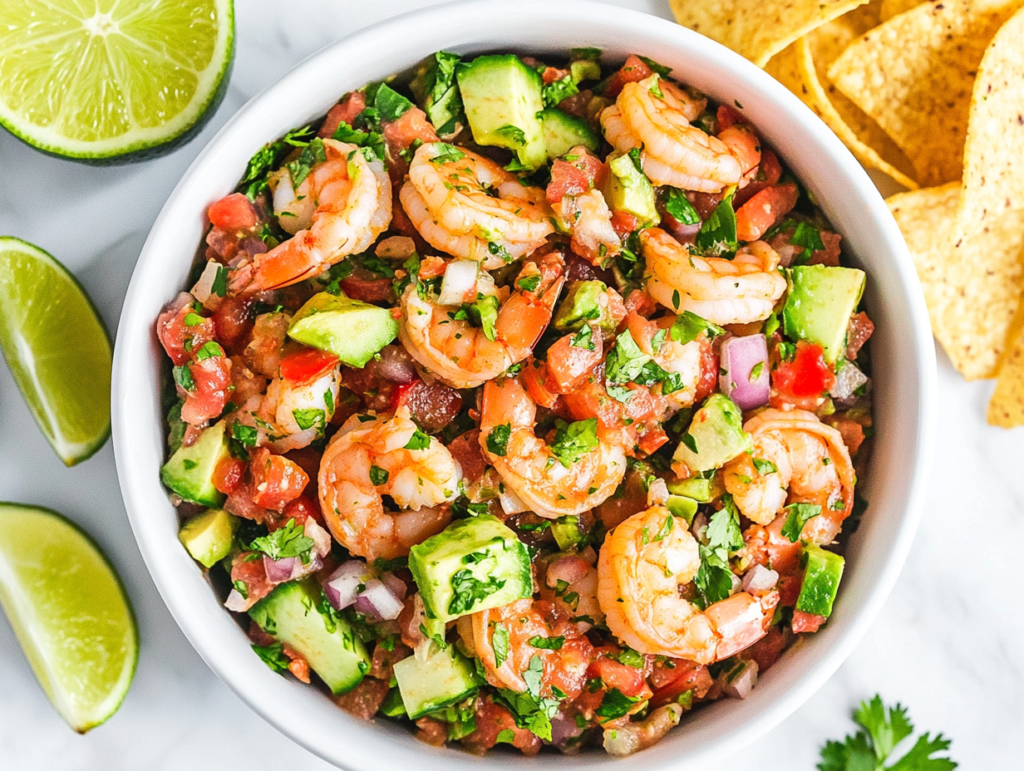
[[101, 79], [57, 348], [69, 612]]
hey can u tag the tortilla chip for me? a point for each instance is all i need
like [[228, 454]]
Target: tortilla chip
[[914, 75], [993, 179], [758, 29], [973, 292], [1006, 408], [892, 8]]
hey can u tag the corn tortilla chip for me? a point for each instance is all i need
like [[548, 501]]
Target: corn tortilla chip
[[973, 292], [892, 8], [914, 75], [1006, 408], [758, 29], [993, 179]]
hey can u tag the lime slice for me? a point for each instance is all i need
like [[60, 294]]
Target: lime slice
[[69, 612], [105, 78], [57, 348]]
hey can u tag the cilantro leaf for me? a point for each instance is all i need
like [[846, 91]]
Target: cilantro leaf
[[499, 641], [497, 439], [688, 326], [799, 515], [310, 156], [809, 237], [626, 361], [555, 92], [468, 590], [717, 236], [390, 104], [418, 441], [615, 704], [273, 656], [573, 440], [885, 731], [547, 643], [679, 206], [446, 153], [287, 541]]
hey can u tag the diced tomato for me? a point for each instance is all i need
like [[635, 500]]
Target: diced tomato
[[551, 74], [413, 125], [346, 112], [535, 379], [624, 223], [727, 117], [233, 213], [806, 622], [633, 71], [233, 320], [807, 374], [566, 180], [670, 684], [860, 330], [491, 720], [789, 588], [276, 481], [298, 665], [365, 699], [641, 303], [705, 203], [684, 234], [369, 290], [241, 504], [174, 332], [207, 400], [851, 430], [228, 475], [628, 680], [307, 364], [765, 209], [708, 381], [301, 509], [251, 573], [829, 256], [569, 365], [652, 439], [767, 650], [768, 173]]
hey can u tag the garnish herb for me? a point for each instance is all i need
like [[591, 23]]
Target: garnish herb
[[765, 466], [418, 441], [499, 641], [717, 236], [799, 514], [378, 475], [714, 577], [273, 656], [547, 643], [287, 541], [497, 440], [468, 590], [688, 327], [679, 206], [573, 440]]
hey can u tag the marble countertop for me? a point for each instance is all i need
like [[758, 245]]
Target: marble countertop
[[945, 643]]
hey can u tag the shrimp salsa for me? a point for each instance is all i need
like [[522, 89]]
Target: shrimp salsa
[[521, 402]]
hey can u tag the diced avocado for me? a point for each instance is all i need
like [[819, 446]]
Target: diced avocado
[[630, 191], [820, 302], [697, 488], [443, 678], [291, 614], [392, 705], [567, 533], [207, 536], [585, 69], [563, 131], [189, 472], [472, 565], [352, 330], [681, 506], [586, 301], [823, 572], [715, 435], [503, 101]]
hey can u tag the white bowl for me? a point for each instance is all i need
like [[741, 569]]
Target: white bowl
[[902, 352]]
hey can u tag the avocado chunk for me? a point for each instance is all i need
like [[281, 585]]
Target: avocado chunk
[[567, 533], [352, 330], [585, 69], [207, 536], [630, 191], [392, 705], [682, 507], [696, 488], [820, 302], [563, 131], [823, 572], [189, 472], [472, 565], [443, 678], [585, 302], [715, 435], [291, 614], [503, 100]]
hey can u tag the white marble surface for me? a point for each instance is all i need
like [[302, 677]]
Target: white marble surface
[[945, 644]]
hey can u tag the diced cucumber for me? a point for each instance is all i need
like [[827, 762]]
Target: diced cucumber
[[563, 131], [444, 677], [823, 572], [207, 536], [393, 706], [585, 69], [190, 470]]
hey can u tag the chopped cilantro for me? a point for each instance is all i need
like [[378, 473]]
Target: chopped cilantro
[[273, 656], [445, 153], [378, 476], [306, 419], [615, 704], [497, 439], [418, 441], [555, 92], [688, 327], [514, 135], [574, 440], [661, 69], [389, 104], [717, 236], [799, 514], [765, 466], [714, 577], [468, 590], [499, 642], [310, 156], [583, 339], [247, 435], [287, 541], [183, 377], [547, 643], [209, 350], [679, 206], [626, 361]]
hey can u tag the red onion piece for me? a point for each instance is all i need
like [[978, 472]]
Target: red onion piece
[[203, 290], [253, 245], [740, 355], [396, 585], [759, 580], [342, 586], [563, 730], [569, 568], [395, 365], [739, 685], [237, 603], [279, 571], [378, 601]]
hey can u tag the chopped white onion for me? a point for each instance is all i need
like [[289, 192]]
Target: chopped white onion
[[459, 282], [237, 602], [657, 493], [760, 579], [342, 586], [320, 537], [848, 379], [203, 290], [512, 503], [739, 684], [378, 601]]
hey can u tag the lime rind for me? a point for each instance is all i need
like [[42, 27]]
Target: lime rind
[[136, 142], [56, 625], [78, 430]]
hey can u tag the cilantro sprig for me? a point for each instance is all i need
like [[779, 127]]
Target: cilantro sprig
[[884, 729]]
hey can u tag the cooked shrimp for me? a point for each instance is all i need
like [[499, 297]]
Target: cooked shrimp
[[367, 460], [338, 209], [736, 291], [812, 466], [642, 564], [655, 115], [470, 207], [465, 356], [589, 220], [681, 359], [528, 465], [291, 415]]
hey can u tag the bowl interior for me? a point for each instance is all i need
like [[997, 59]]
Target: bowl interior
[[901, 350]]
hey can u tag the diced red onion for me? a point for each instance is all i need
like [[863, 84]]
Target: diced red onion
[[563, 729], [740, 355], [459, 282], [279, 571], [253, 245], [203, 290], [760, 579], [786, 254], [569, 568], [342, 586], [742, 684], [396, 585], [395, 365], [848, 379], [236, 602], [378, 601], [737, 584], [320, 537]]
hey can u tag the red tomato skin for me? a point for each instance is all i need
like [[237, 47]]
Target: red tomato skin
[[412, 125], [229, 474], [173, 332], [633, 71], [624, 223], [276, 481], [535, 379], [806, 622], [764, 209], [806, 375], [301, 509], [708, 381], [233, 213], [727, 117], [346, 112], [566, 180], [569, 365], [212, 377], [629, 680], [307, 364]]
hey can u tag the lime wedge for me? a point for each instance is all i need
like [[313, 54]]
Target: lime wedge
[[57, 348], [103, 79], [69, 612]]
